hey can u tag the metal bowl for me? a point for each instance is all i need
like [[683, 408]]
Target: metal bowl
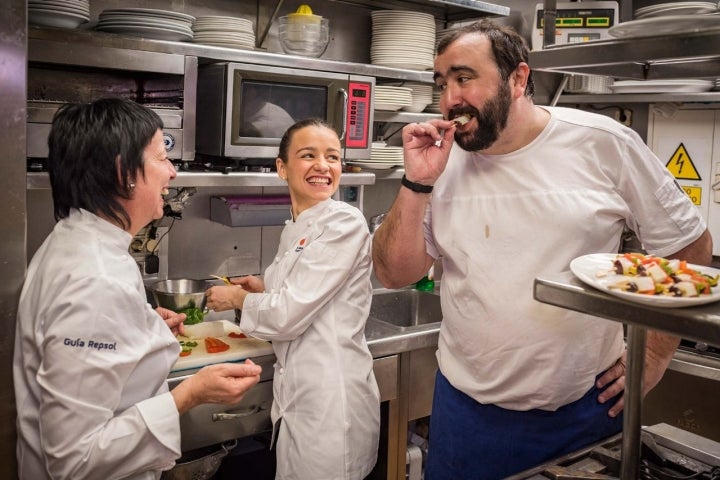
[[192, 467], [180, 294]]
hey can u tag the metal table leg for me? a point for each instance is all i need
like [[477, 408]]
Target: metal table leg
[[632, 417]]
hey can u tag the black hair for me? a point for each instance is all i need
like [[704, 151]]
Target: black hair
[[287, 136], [96, 152], [508, 47]]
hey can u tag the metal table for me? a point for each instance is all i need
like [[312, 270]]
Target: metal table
[[700, 323]]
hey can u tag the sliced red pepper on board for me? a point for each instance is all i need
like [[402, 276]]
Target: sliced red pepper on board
[[236, 335], [215, 345]]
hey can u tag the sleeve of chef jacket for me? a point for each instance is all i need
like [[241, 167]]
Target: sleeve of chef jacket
[[85, 431], [335, 250], [663, 216]]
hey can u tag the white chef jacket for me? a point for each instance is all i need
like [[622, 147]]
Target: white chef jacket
[[91, 362], [500, 221], [314, 309]]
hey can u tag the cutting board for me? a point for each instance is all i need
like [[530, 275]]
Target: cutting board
[[240, 348]]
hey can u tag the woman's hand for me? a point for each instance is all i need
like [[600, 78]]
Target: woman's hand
[[222, 383], [173, 320], [221, 298]]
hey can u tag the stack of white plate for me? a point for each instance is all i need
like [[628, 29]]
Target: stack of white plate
[[676, 8], [231, 32], [402, 39], [392, 98], [421, 96], [147, 23], [717, 84], [434, 106], [382, 157], [58, 13]]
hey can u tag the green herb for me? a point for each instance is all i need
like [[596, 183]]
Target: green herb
[[193, 315]]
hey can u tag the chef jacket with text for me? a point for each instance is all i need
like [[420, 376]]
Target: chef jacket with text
[[91, 361], [314, 309]]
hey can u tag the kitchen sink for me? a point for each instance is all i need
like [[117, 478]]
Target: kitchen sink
[[406, 309]]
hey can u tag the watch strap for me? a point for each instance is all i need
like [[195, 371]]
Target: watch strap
[[416, 187]]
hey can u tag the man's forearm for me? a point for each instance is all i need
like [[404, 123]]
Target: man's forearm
[[399, 255]]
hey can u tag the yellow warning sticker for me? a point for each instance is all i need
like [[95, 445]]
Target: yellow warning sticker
[[695, 194], [681, 165]]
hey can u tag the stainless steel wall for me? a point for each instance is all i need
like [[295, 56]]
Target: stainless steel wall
[[13, 54]]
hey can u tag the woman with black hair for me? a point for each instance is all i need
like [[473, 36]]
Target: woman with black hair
[[91, 355]]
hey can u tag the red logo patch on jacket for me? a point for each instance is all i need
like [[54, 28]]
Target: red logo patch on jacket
[[300, 245]]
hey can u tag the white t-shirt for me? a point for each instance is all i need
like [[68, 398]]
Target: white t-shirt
[[499, 221]]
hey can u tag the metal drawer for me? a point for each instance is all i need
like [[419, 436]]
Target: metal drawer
[[210, 424]]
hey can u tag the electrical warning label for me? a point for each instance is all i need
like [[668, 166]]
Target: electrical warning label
[[682, 166]]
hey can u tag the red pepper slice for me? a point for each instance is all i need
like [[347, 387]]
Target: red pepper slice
[[236, 335], [215, 345]]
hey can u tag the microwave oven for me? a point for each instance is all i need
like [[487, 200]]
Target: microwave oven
[[244, 109]]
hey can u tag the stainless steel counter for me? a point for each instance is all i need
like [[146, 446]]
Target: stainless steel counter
[[565, 290], [700, 323], [404, 366], [384, 340]]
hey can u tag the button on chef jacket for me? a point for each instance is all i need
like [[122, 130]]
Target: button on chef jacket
[[91, 361], [314, 309]]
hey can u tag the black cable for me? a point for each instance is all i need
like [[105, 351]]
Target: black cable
[[396, 131], [163, 236]]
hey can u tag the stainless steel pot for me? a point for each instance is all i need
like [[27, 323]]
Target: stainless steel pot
[[202, 468]]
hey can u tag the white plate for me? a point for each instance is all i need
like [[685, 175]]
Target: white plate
[[587, 267], [672, 24], [374, 166], [662, 86], [148, 32], [54, 18], [148, 12]]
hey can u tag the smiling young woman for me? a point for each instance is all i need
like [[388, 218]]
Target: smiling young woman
[[312, 304]]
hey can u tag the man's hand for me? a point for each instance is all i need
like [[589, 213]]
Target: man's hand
[[658, 354], [426, 148]]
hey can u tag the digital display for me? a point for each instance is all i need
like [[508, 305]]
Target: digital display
[[357, 93]]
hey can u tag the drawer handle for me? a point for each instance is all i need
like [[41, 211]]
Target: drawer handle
[[218, 417]]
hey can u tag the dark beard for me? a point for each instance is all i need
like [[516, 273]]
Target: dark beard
[[490, 122]]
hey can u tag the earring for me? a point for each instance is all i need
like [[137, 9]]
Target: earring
[[132, 185]]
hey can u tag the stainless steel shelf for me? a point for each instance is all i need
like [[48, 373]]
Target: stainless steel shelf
[[695, 54], [92, 48], [700, 323], [41, 180], [705, 97]]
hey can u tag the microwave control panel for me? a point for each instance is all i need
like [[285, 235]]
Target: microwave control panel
[[358, 119]]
